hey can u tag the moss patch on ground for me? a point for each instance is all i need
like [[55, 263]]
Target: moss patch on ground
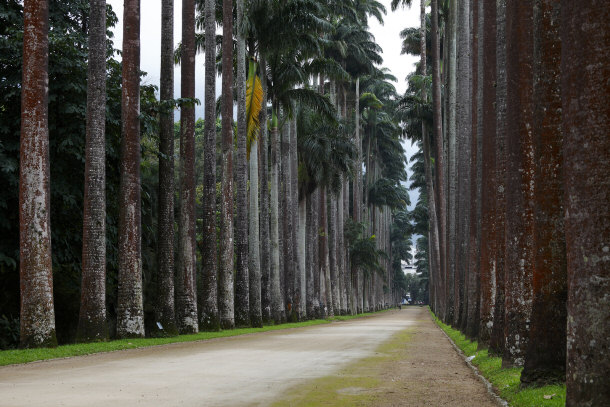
[[360, 383], [506, 382], [18, 356]]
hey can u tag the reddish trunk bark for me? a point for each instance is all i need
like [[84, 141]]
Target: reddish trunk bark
[[519, 225], [130, 309], [35, 273], [585, 83], [546, 350]]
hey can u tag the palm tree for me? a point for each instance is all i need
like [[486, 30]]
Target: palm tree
[[130, 310], [208, 299], [92, 317], [186, 287], [36, 277], [585, 95], [165, 310], [242, 290], [225, 274]]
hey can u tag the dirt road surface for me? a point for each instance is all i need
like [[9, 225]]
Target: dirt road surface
[[248, 370]]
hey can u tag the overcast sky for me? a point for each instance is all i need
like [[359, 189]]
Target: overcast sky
[[386, 35]]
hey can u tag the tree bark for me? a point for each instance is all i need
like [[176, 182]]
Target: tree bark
[[519, 223], [225, 272], [186, 286], [277, 303], [242, 289], [35, 267], [92, 317], [488, 177], [130, 309], [264, 200], [209, 319], [585, 83], [545, 353], [294, 210], [287, 213]]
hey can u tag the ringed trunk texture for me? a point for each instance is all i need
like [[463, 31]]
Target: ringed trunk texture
[[254, 258], [545, 354], [294, 211], [310, 243], [302, 258], [92, 317], [209, 318], [332, 253], [242, 283], [287, 223], [166, 310], [35, 267], [225, 272], [585, 83], [186, 286], [519, 223], [130, 309]]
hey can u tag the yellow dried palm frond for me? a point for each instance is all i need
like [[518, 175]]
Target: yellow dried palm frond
[[254, 104]]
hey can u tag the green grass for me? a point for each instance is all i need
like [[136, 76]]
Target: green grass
[[506, 382], [11, 357]]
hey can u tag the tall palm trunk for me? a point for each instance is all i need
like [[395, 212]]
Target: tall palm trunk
[[585, 83], [242, 289], [341, 249], [35, 273], [186, 286], [476, 174], [488, 177], [277, 303], [519, 257], [208, 299], [165, 309], [264, 200], [298, 279], [324, 272], [451, 164], [254, 258], [302, 258], [225, 273], [310, 243], [92, 317], [287, 212], [332, 253], [439, 154], [546, 344], [130, 309]]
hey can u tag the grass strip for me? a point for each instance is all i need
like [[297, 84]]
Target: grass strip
[[18, 356], [506, 382]]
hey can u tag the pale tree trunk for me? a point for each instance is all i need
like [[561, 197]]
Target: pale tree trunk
[[130, 309], [302, 257], [35, 266], [287, 223], [488, 177], [545, 353], [277, 303], [242, 289], [92, 317], [254, 258], [310, 243], [208, 298], [298, 274], [165, 309], [585, 82], [325, 289], [225, 272], [186, 287], [332, 253], [347, 276], [316, 252], [341, 250], [264, 201]]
